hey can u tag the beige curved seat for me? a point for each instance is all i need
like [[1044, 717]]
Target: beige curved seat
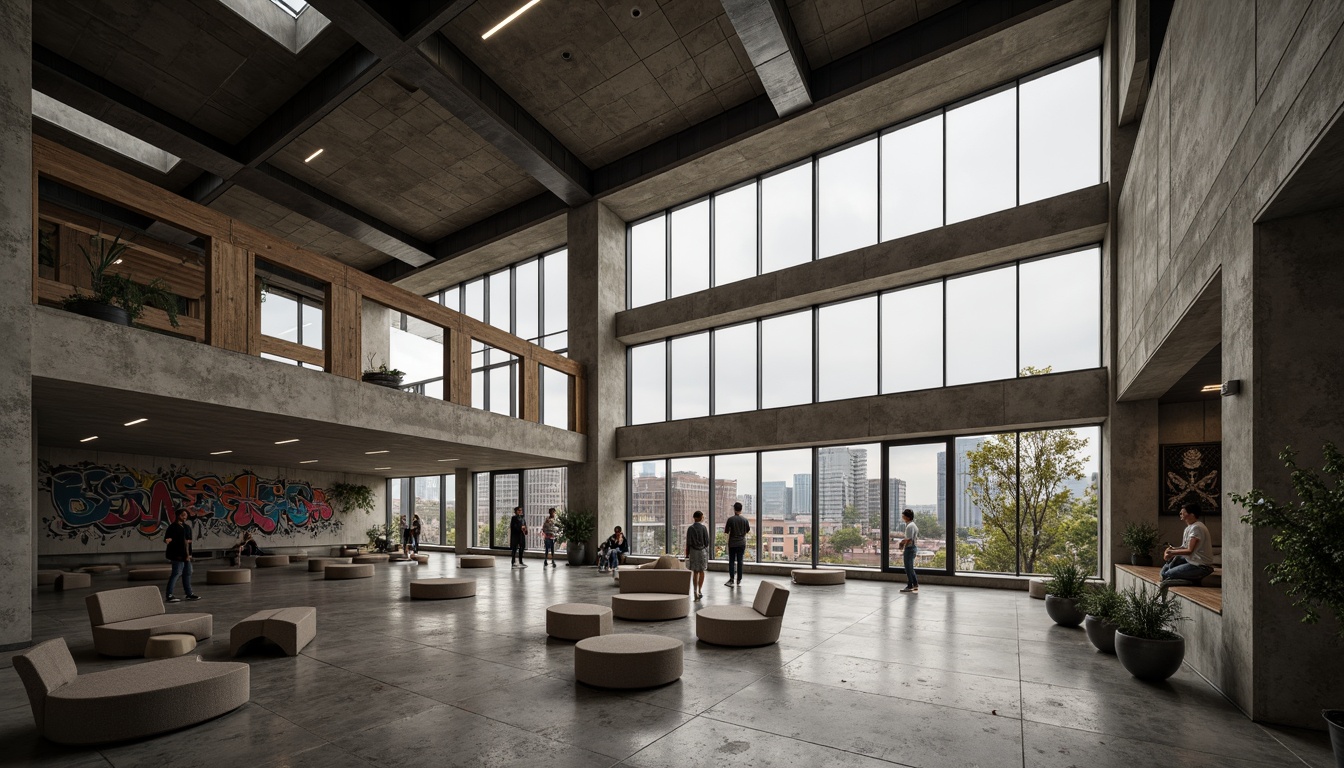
[[46, 577], [653, 594], [745, 626], [319, 564], [337, 571], [369, 559], [664, 563], [289, 628], [576, 621], [150, 573], [169, 646], [420, 559], [66, 581], [475, 561], [124, 619], [272, 561], [442, 589], [125, 703], [627, 661], [1036, 589], [228, 576], [818, 576]]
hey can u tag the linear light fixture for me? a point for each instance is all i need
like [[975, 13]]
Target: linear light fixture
[[133, 423], [310, 461], [313, 156], [447, 459], [219, 453], [290, 440], [87, 439], [378, 468], [1211, 388], [371, 453], [509, 18]]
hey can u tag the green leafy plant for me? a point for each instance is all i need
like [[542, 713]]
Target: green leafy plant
[[1067, 581], [375, 533], [1309, 533], [382, 368], [121, 290], [350, 496], [1102, 601], [1140, 538], [1148, 615], [575, 525]]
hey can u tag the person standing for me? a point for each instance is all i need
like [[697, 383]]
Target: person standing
[[178, 542], [697, 552], [1190, 563], [548, 532], [517, 538], [415, 534], [910, 548], [737, 529]]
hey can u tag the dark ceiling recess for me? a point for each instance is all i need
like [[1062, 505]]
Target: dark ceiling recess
[[1208, 371]]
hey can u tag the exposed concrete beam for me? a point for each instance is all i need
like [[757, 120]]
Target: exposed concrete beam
[[1199, 330], [766, 31]]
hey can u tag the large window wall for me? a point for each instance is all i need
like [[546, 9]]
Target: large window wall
[[497, 493], [1036, 137], [433, 498], [1010, 502], [529, 300], [1021, 319], [291, 316]]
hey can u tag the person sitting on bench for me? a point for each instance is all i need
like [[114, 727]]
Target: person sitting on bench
[[1189, 563], [247, 547]]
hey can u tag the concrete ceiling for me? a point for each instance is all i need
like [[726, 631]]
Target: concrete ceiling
[[833, 29]]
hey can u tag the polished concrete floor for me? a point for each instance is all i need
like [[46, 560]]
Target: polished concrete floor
[[862, 676]]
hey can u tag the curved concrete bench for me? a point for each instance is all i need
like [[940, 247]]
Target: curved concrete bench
[[128, 702], [817, 576], [475, 561], [745, 626], [124, 619], [442, 589], [289, 628], [150, 573], [228, 576], [352, 571], [319, 564], [653, 594], [576, 621], [272, 561], [627, 661], [664, 563], [66, 581], [100, 568], [369, 559], [169, 646]]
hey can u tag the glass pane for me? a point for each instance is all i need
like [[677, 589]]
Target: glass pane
[[690, 492], [1061, 131], [786, 218], [527, 298], [912, 178], [981, 327], [786, 360], [912, 338], [847, 199], [734, 483], [554, 398], [917, 481], [982, 156], [849, 505], [481, 510], [556, 342], [648, 262], [544, 490], [311, 330], [735, 368], [648, 508], [427, 508], [450, 510], [501, 301], [847, 349], [398, 488], [648, 383], [985, 501], [279, 316], [1060, 312], [556, 290], [690, 249], [786, 506], [418, 352], [474, 294], [735, 234], [478, 389], [502, 394], [450, 298], [506, 498], [690, 376]]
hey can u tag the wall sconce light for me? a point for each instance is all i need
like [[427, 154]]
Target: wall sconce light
[[1231, 387]]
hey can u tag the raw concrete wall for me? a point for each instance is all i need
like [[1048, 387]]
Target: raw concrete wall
[[16, 322]]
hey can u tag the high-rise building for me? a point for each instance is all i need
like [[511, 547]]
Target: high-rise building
[[969, 515], [842, 481], [776, 499], [802, 496]]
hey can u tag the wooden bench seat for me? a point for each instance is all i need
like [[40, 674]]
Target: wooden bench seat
[[1207, 597]]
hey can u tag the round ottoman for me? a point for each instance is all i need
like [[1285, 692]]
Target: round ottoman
[[319, 564], [650, 606], [627, 661], [476, 561], [272, 561], [369, 559], [151, 573], [420, 559], [169, 646], [1036, 589], [442, 589], [818, 576], [397, 557], [228, 576], [298, 558], [351, 571], [576, 621]]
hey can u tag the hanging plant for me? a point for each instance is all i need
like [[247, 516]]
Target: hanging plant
[[348, 496]]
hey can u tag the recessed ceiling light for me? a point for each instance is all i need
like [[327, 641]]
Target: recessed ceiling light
[[87, 439], [313, 156], [310, 461], [133, 423], [1212, 388], [370, 453], [509, 18], [219, 453], [378, 468], [290, 440]]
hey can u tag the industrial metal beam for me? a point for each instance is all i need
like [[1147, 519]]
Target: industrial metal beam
[[766, 31]]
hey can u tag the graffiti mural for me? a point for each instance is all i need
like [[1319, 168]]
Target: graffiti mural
[[94, 502]]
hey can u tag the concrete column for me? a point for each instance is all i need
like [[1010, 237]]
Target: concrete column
[[18, 513], [375, 337], [596, 294], [462, 502]]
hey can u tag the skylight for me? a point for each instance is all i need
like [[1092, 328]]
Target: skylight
[[291, 23], [292, 7], [95, 130]]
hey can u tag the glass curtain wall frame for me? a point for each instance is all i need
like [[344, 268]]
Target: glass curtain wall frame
[[498, 492]]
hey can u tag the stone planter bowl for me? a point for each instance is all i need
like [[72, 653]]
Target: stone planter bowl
[[1063, 611], [1101, 633], [1153, 660]]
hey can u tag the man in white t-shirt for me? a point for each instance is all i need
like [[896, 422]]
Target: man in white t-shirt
[[909, 547], [1189, 563]]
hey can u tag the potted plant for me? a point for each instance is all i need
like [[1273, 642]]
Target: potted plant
[[1310, 534], [375, 533], [117, 298], [1141, 538], [1062, 591], [348, 496], [1101, 606], [576, 527], [382, 375], [1146, 642]]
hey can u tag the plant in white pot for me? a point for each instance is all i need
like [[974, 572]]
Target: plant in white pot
[[1146, 642], [1310, 534], [1062, 591], [1101, 605]]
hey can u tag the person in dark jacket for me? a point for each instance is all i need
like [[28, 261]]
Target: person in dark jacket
[[517, 538], [416, 527], [615, 545], [178, 542]]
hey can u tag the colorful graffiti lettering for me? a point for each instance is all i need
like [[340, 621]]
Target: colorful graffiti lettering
[[95, 501]]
